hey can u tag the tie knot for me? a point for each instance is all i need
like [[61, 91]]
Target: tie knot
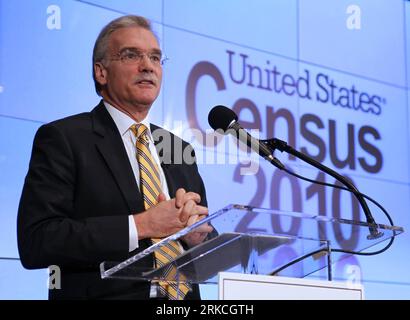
[[140, 131]]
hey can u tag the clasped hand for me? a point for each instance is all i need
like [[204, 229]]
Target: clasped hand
[[171, 216]]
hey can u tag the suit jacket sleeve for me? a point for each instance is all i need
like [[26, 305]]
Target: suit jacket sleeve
[[49, 230]]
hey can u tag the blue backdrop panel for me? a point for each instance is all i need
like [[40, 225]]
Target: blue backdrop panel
[[376, 125], [15, 149], [266, 25], [16, 283], [46, 74], [151, 9], [371, 51], [407, 39], [204, 72]]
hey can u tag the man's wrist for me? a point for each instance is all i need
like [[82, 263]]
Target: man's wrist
[[142, 225]]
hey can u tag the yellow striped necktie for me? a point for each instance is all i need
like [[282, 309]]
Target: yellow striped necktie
[[150, 186]]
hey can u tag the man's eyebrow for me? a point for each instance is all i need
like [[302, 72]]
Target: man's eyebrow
[[156, 51], [138, 49]]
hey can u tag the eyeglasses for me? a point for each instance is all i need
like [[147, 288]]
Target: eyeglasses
[[132, 56]]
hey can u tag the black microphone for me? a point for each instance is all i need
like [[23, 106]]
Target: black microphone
[[221, 118]]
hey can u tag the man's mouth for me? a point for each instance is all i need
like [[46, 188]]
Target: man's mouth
[[146, 82]]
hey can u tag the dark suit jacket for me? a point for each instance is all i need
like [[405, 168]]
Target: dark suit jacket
[[76, 199]]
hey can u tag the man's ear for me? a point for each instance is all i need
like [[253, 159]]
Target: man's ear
[[100, 73]]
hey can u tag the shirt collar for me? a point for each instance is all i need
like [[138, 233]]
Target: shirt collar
[[124, 121]]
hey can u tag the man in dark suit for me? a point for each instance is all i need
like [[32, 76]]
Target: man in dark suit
[[82, 202]]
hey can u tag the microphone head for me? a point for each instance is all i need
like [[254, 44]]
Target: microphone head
[[220, 117]]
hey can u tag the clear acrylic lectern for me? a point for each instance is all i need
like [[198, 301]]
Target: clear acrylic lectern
[[257, 241]]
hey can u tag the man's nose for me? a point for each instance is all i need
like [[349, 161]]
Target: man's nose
[[145, 64]]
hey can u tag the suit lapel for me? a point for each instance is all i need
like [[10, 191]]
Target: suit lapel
[[113, 151]]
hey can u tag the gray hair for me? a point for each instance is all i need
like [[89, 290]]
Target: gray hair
[[101, 44]]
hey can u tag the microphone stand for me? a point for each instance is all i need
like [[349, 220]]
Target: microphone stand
[[282, 146]]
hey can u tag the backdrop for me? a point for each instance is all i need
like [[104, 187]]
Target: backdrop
[[329, 77]]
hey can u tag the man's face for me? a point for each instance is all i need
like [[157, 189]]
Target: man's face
[[133, 83]]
